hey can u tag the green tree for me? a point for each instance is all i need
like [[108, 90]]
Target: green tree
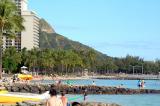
[[73, 60], [11, 59], [91, 56], [10, 23], [47, 59], [32, 58], [24, 54]]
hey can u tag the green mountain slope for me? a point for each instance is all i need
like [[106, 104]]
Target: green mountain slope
[[54, 40], [46, 27]]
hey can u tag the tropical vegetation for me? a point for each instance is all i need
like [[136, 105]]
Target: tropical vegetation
[[63, 62], [10, 22]]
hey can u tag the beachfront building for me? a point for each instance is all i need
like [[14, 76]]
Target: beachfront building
[[22, 5], [29, 38]]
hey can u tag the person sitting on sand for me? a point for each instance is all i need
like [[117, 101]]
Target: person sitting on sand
[[64, 99], [54, 101]]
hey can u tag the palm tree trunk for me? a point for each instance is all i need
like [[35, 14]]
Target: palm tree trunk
[[1, 43], [0, 62], [66, 69], [73, 70], [61, 70]]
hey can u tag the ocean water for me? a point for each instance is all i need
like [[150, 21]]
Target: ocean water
[[149, 84], [123, 100]]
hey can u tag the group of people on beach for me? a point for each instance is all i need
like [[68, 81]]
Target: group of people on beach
[[62, 101]]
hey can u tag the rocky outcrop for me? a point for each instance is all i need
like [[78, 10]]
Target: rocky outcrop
[[32, 88], [46, 27]]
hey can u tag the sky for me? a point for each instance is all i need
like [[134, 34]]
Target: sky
[[113, 27]]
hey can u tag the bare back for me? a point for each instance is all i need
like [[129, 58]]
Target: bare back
[[54, 101], [64, 100]]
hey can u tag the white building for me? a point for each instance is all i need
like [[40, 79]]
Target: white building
[[22, 4], [29, 38]]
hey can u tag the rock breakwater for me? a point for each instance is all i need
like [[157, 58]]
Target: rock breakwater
[[39, 89]]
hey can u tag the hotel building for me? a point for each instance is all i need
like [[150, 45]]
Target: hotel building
[[29, 38]]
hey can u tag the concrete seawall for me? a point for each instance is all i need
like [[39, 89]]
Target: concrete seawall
[[30, 88]]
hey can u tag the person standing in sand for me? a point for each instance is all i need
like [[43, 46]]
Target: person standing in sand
[[54, 101]]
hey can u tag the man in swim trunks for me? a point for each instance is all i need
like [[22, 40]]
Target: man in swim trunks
[[54, 101]]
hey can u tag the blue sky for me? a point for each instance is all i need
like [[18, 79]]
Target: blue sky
[[114, 27]]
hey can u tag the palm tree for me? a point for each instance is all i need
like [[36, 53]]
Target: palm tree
[[10, 23], [24, 54], [11, 59], [32, 58], [47, 61]]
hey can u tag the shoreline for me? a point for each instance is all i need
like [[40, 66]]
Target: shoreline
[[109, 77]]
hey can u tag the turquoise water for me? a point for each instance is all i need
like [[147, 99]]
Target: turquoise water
[[150, 84], [124, 100]]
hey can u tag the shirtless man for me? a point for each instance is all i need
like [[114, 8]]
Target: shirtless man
[[54, 101], [64, 99]]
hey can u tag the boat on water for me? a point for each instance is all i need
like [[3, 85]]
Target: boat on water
[[8, 97]]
